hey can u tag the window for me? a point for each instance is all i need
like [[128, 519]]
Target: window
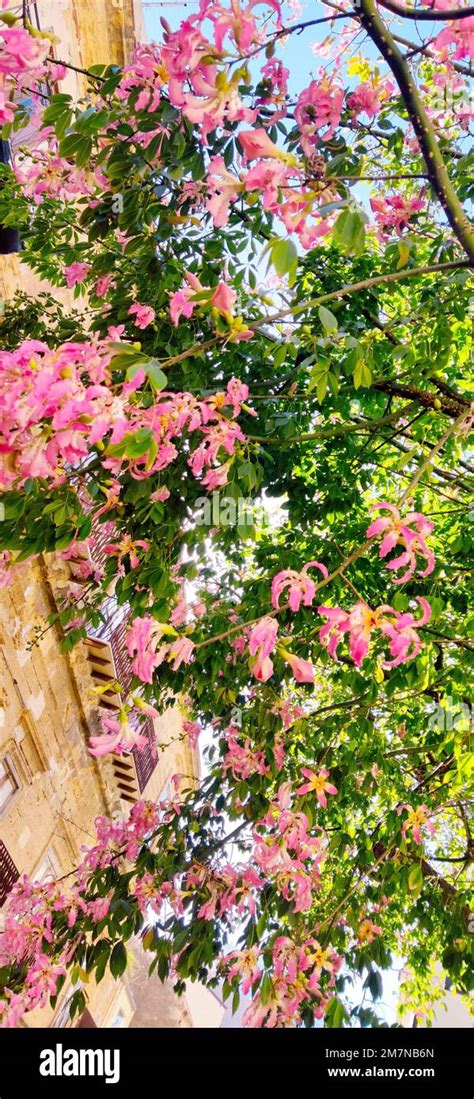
[[118, 1019], [48, 869], [8, 781]]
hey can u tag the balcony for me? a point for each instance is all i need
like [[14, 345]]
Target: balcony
[[109, 663], [8, 873]]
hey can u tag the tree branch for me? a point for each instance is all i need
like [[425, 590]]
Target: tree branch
[[450, 405], [428, 14], [424, 130], [466, 70], [364, 284]]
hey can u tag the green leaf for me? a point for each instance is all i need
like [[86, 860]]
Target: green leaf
[[349, 231], [328, 320], [415, 878], [336, 1014], [285, 259], [157, 378], [118, 960], [362, 375]]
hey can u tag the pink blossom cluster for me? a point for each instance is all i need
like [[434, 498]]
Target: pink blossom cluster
[[457, 33], [303, 975], [370, 96], [280, 179], [43, 172], [286, 853], [242, 760], [22, 58], [207, 95], [394, 212], [20, 51], [143, 77], [358, 623], [225, 889], [55, 406], [28, 929], [318, 112], [145, 646]]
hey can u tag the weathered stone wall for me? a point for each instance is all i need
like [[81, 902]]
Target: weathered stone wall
[[90, 32], [43, 735]]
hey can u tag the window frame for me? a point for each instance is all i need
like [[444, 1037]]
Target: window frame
[[8, 764]]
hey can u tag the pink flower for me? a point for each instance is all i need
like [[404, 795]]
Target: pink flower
[[127, 548], [223, 298], [317, 783], [76, 272], [370, 96], [147, 894], [242, 759], [411, 533], [222, 189], [181, 303], [269, 176], [103, 285], [367, 931], [144, 314], [302, 669], [42, 978], [404, 641], [193, 729], [179, 614], [142, 639], [416, 820], [244, 964], [263, 636], [359, 623], [216, 478], [261, 643], [181, 652], [395, 211], [236, 393], [7, 107], [459, 34], [318, 106], [302, 589], [160, 495], [257, 145], [21, 51], [237, 21], [119, 737], [217, 100]]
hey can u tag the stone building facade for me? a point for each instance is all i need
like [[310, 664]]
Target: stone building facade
[[51, 789]]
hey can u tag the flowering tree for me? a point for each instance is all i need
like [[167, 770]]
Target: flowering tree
[[279, 467]]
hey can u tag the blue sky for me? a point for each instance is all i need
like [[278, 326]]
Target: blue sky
[[296, 53]]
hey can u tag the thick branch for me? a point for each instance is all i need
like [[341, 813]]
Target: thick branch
[[352, 288], [429, 14], [424, 130], [450, 406]]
